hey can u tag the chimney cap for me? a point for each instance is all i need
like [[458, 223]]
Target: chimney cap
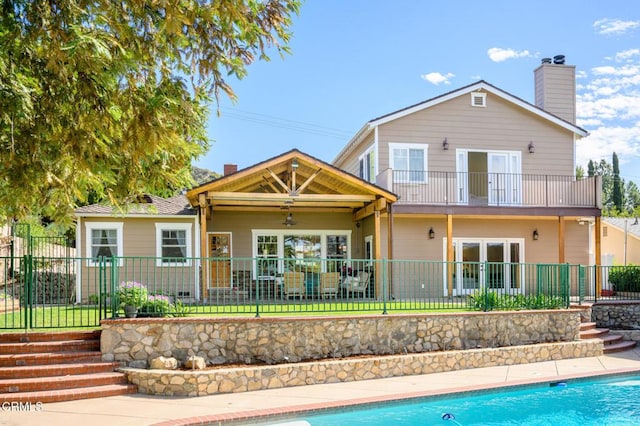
[[558, 59], [545, 61]]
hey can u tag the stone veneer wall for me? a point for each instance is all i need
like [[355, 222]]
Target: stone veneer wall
[[617, 315], [228, 380], [134, 342]]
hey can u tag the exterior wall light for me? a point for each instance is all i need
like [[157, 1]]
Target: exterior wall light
[[531, 147], [445, 144], [432, 233], [535, 235]]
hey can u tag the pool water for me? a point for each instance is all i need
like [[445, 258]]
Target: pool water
[[606, 401]]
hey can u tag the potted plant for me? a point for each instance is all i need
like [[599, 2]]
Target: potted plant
[[156, 305], [132, 296]]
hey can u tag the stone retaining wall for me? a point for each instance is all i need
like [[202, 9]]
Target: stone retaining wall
[[617, 315], [134, 342], [228, 380]]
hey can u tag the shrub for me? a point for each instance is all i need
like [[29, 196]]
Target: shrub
[[132, 293], [625, 278], [490, 300], [156, 305]]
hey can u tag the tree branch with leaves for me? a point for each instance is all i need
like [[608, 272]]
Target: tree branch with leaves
[[111, 98]]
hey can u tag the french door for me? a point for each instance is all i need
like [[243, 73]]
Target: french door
[[492, 264], [488, 177]]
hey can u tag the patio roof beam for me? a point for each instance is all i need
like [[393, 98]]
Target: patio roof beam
[[308, 181], [252, 196], [278, 205], [280, 182]]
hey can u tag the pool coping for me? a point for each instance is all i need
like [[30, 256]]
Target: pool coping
[[288, 412]]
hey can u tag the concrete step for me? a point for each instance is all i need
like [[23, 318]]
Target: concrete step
[[620, 346], [67, 394], [61, 382], [593, 333], [49, 336], [18, 360], [52, 370], [584, 326], [49, 346]]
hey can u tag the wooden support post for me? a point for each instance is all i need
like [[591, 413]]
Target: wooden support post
[[202, 201], [561, 239], [450, 259], [377, 255]]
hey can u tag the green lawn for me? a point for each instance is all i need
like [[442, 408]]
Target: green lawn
[[88, 317]]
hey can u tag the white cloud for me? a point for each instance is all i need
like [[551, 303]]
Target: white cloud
[[497, 54], [437, 78], [627, 55], [608, 105], [602, 142], [614, 26]]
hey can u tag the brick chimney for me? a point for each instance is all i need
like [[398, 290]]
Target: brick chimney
[[555, 87], [230, 168]]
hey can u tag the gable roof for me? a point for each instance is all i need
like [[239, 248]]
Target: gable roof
[[150, 205], [629, 223], [477, 86], [291, 177]]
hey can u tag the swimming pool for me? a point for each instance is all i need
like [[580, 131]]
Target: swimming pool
[[602, 401]]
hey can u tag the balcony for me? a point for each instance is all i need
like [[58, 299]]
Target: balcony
[[492, 189]]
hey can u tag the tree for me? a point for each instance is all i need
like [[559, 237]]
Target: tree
[[111, 98], [617, 195], [591, 169], [579, 172]]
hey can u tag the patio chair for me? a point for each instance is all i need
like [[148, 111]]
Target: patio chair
[[357, 284], [293, 284], [329, 284]]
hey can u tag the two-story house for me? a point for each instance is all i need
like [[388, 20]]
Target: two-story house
[[484, 176], [474, 184]]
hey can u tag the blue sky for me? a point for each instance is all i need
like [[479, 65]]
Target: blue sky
[[354, 60]]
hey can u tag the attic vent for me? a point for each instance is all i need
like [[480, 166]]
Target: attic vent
[[478, 99]]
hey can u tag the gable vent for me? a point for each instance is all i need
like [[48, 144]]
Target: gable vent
[[478, 99]]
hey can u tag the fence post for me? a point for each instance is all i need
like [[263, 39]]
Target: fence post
[[259, 268], [28, 290], [385, 281]]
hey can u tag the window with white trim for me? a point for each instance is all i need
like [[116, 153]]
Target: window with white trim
[[103, 240], [367, 162], [409, 162], [173, 244]]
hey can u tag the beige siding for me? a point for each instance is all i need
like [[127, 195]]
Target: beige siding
[[411, 240], [613, 243], [498, 126], [139, 250], [351, 163]]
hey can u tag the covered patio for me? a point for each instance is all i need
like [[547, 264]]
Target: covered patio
[[261, 224]]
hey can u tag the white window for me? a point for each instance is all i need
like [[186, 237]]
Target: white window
[[368, 165], [173, 244], [103, 240], [409, 162], [478, 99]]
